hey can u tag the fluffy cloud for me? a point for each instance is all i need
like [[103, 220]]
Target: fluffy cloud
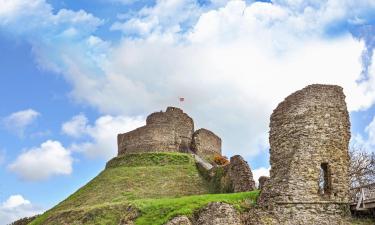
[[38, 14], [18, 121], [233, 61], [166, 16], [262, 171], [40, 163], [232, 67], [16, 207], [102, 135], [76, 127], [366, 141]]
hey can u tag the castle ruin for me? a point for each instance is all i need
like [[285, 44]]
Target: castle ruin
[[173, 131], [170, 131], [309, 137]]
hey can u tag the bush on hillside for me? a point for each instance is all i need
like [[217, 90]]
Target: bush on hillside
[[221, 160]]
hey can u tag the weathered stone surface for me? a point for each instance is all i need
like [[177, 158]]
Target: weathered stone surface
[[258, 216], [240, 175], [206, 144], [169, 131], [233, 177], [262, 181], [311, 214], [301, 214], [309, 131], [180, 220], [218, 213]]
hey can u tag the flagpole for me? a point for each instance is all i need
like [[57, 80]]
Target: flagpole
[[181, 100]]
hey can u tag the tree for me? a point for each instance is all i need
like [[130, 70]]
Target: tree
[[362, 166]]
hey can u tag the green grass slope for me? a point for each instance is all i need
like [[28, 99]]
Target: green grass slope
[[148, 188], [110, 196]]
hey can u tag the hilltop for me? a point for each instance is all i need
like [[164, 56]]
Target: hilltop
[[147, 188], [166, 172]]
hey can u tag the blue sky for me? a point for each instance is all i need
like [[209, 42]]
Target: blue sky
[[73, 74]]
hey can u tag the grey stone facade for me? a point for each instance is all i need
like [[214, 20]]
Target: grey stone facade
[[169, 131], [218, 213], [233, 177], [240, 175], [309, 137], [206, 144], [262, 182]]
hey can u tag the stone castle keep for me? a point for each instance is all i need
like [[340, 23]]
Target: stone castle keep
[[170, 131]]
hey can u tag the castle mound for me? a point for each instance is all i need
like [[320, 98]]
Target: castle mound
[[109, 196]]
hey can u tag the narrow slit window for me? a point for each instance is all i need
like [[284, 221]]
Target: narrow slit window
[[324, 184]]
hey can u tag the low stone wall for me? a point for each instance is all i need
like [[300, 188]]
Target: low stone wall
[[206, 144]]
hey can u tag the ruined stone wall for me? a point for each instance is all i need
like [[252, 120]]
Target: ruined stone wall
[[297, 214], [312, 214], [262, 182], [240, 175], [169, 131], [206, 144], [309, 128], [235, 176]]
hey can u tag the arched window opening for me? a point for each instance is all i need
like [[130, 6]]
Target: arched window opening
[[324, 180]]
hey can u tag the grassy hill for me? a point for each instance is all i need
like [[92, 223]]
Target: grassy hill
[[150, 188]]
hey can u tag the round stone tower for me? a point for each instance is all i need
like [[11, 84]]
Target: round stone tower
[[169, 131], [309, 137]]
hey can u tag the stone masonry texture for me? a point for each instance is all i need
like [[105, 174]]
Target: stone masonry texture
[[240, 175], [169, 131], [206, 144], [309, 130], [236, 176], [262, 181], [218, 213]]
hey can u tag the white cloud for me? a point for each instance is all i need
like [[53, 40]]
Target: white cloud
[[233, 68], [366, 142], [166, 16], [76, 127], [16, 207], [40, 163], [18, 121], [262, 171], [38, 14], [13, 9], [232, 63], [102, 135]]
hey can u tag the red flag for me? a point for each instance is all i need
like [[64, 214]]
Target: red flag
[[182, 99]]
